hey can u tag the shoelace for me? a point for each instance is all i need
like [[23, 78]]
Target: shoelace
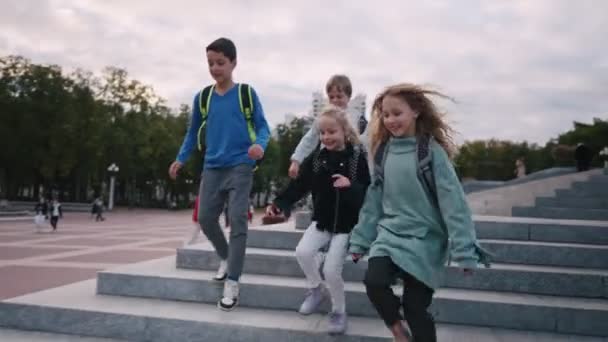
[[230, 291], [334, 317]]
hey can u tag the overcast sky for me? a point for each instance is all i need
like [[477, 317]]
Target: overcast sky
[[520, 70]]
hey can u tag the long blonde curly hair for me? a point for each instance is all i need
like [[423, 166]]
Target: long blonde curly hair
[[340, 115], [430, 120]]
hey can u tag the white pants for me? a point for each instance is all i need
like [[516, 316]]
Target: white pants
[[39, 221], [307, 251], [194, 235]]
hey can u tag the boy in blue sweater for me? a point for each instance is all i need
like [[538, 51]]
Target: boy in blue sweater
[[232, 148]]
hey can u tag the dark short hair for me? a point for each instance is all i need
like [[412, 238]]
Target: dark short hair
[[342, 83], [224, 46]]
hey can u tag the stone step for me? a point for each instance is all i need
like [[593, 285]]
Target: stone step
[[14, 213], [593, 188], [541, 229], [562, 213], [500, 277], [573, 202], [76, 310], [160, 280], [599, 179], [284, 236], [16, 218], [11, 335], [576, 193], [505, 251]]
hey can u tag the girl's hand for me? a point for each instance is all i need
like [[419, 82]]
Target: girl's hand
[[272, 211], [340, 181], [356, 257], [294, 169]]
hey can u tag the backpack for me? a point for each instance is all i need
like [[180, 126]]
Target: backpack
[[245, 102], [424, 166]]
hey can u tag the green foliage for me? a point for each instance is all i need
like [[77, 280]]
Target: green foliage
[[495, 160], [63, 130]]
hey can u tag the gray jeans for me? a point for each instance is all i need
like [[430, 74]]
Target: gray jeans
[[217, 186]]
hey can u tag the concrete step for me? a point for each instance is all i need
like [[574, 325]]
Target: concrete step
[[570, 202], [593, 188], [11, 335], [562, 213], [284, 236], [548, 253], [500, 277], [599, 178], [76, 310], [505, 251], [569, 193], [14, 213], [64, 208], [160, 280], [17, 218]]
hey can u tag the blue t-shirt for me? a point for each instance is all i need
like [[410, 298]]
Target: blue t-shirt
[[226, 135]]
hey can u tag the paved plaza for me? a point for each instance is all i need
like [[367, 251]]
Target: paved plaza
[[31, 261]]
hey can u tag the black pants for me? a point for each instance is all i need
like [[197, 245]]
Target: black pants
[[381, 273], [583, 165], [54, 220]]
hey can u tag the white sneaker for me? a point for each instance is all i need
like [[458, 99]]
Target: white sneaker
[[231, 296], [194, 238], [222, 271]]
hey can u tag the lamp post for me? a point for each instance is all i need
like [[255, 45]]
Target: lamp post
[[113, 170]]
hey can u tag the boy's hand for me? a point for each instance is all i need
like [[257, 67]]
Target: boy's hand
[[294, 169], [174, 168], [256, 152], [340, 181], [356, 257]]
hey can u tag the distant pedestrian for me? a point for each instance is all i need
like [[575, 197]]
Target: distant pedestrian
[[55, 212]]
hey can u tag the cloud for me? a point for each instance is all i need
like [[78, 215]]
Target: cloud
[[521, 70]]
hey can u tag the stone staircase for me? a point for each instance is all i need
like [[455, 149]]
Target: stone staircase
[[28, 206], [584, 200], [549, 282]]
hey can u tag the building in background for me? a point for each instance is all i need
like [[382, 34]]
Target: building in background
[[358, 104], [318, 102]]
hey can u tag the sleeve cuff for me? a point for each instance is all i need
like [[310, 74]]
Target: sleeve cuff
[[354, 249]]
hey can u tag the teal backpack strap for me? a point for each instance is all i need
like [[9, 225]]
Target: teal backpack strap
[[204, 99], [425, 167], [246, 103]]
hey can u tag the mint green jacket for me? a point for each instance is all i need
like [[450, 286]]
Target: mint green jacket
[[399, 220]]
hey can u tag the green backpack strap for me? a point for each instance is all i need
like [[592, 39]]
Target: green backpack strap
[[246, 103], [204, 99]]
